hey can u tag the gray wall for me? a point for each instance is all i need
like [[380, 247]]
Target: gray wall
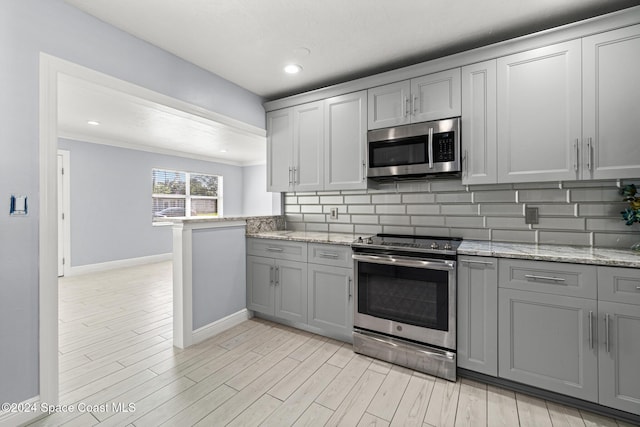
[[219, 274], [28, 27], [574, 213], [111, 200]]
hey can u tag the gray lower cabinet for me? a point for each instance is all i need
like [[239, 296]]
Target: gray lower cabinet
[[478, 314], [619, 337], [277, 288], [330, 302], [545, 342]]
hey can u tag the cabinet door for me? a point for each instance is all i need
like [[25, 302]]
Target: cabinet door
[[544, 341], [308, 147], [345, 142], [619, 356], [478, 314], [389, 105], [330, 299], [539, 105], [479, 123], [611, 94], [260, 289], [279, 150], [436, 96], [291, 291]]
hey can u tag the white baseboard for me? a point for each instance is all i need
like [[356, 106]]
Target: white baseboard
[[121, 263], [221, 325], [25, 412]]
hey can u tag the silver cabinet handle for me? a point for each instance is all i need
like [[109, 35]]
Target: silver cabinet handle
[[270, 275], [606, 332], [295, 173], [290, 172], [415, 104], [468, 261], [406, 106], [591, 329], [575, 148], [349, 286], [364, 171], [589, 153], [430, 148], [272, 249], [328, 255], [277, 276], [465, 164], [534, 277]]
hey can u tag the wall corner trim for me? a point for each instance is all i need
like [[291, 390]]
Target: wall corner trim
[[221, 325]]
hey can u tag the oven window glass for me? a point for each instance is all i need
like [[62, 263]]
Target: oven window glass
[[408, 295], [408, 151]]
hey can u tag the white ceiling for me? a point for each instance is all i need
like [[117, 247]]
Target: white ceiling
[[248, 42]]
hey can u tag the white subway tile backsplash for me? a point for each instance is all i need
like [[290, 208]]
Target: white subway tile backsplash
[[500, 209], [579, 213], [331, 200], [390, 209], [395, 220], [464, 221], [595, 195], [459, 209], [355, 200], [427, 221], [541, 196], [423, 209], [494, 196], [513, 236], [361, 209], [364, 219], [556, 223], [453, 197], [564, 238], [419, 198], [385, 198]]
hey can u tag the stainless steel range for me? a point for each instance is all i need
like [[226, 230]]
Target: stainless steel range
[[405, 301]]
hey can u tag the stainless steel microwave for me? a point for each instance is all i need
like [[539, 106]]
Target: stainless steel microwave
[[414, 151]]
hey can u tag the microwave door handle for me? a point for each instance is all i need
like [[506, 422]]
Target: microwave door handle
[[430, 148]]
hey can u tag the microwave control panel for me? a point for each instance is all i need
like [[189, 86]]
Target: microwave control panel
[[443, 147]]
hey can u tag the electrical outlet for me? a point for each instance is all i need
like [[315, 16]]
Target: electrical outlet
[[530, 215], [334, 213]]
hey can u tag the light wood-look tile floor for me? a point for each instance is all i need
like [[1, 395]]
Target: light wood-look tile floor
[[116, 349]]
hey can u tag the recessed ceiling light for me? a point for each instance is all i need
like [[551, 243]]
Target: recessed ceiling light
[[93, 123], [292, 69], [223, 151]]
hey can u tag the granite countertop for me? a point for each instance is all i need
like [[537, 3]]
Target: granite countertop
[[309, 236], [558, 253]]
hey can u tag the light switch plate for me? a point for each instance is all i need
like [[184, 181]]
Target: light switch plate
[[530, 215], [18, 205], [334, 213]]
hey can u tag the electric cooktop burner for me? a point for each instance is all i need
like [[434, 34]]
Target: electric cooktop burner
[[422, 244]]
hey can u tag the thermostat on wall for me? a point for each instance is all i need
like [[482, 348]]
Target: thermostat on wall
[[18, 205]]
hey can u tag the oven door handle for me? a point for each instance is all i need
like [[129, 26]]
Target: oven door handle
[[431, 264]]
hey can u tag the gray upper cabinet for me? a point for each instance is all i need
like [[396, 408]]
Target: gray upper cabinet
[[478, 314], [611, 109], [431, 97], [295, 148], [279, 150], [345, 138], [479, 123], [539, 114]]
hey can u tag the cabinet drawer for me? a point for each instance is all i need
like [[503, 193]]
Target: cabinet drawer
[[617, 284], [548, 277], [334, 255], [280, 249]]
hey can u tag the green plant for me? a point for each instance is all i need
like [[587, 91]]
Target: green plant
[[632, 213]]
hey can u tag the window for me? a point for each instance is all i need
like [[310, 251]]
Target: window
[[185, 194]]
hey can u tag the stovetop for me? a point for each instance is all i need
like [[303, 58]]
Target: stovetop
[[421, 244]]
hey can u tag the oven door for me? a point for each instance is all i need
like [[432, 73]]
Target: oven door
[[411, 298]]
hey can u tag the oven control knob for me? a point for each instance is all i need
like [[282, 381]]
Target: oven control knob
[[369, 241], [447, 246], [359, 239], [434, 245]]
